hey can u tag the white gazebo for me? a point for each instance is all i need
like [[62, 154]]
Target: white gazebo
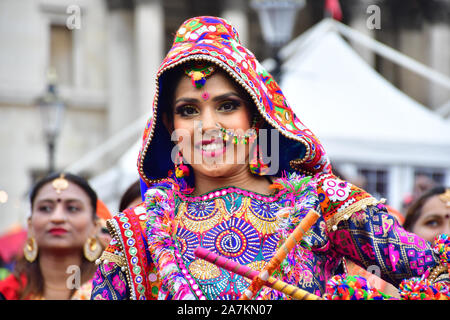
[[361, 118]]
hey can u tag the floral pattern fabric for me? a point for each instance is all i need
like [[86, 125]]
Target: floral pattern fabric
[[109, 283]]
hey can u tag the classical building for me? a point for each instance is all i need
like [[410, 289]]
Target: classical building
[[105, 54]]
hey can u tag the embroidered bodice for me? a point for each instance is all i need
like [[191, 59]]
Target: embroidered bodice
[[234, 223]]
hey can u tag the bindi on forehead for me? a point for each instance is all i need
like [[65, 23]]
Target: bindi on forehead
[[205, 95], [72, 193], [216, 83], [434, 208]]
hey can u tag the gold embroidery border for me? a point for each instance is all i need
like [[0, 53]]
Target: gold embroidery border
[[436, 272], [111, 257], [346, 213]]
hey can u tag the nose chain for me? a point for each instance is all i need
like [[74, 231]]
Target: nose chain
[[231, 135]]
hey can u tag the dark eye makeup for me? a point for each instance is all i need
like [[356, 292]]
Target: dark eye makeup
[[189, 110], [186, 110], [45, 207], [71, 206], [229, 105]]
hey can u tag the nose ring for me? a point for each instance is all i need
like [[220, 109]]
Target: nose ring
[[236, 138]]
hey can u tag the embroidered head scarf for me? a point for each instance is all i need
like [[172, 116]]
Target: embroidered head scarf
[[213, 40]]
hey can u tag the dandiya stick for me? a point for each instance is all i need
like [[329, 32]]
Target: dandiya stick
[[249, 273], [295, 237]]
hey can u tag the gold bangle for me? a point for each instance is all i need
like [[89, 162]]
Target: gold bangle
[[436, 272]]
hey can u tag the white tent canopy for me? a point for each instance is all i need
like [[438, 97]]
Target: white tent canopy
[[111, 184], [356, 113]]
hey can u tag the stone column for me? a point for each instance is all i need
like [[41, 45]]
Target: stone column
[[401, 182], [121, 81], [149, 38], [439, 60], [364, 20], [424, 36], [236, 13], [413, 44]]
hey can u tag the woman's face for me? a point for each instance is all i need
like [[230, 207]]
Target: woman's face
[[196, 116], [103, 234], [434, 220], [62, 221]]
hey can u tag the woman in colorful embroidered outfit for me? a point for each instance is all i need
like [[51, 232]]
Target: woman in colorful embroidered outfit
[[62, 245], [429, 215], [243, 208]]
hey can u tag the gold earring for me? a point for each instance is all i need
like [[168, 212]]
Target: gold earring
[[92, 249], [30, 250]]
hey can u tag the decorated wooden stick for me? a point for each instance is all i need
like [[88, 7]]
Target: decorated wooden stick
[[249, 273], [295, 237]]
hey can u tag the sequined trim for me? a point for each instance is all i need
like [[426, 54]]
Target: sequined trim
[[223, 192], [347, 212], [111, 257], [113, 224], [339, 199]]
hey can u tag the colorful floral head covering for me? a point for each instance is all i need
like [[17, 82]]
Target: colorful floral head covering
[[213, 40]]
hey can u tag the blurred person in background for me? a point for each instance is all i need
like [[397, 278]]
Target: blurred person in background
[[11, 245], [131, 197], [62, 244], [429, 215], [4, 270], [422, 183], [104, 215]]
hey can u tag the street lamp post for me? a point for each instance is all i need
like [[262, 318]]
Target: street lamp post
[[277, 18], [51, 109]]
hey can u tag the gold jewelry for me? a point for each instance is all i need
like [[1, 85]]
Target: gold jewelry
[[231, 135], [60, 184], [436, 272], [198, 74], [445, 197], [30, 250], [92, 249]]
